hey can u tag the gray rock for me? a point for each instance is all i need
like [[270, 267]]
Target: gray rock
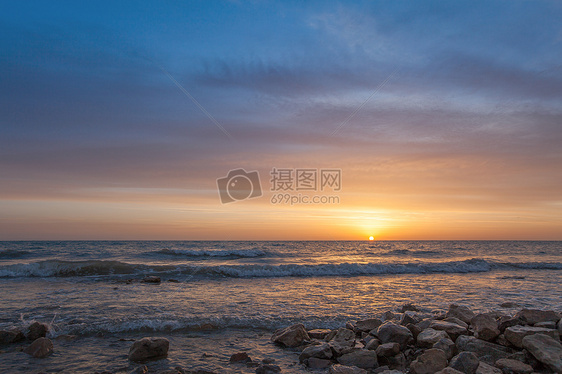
[[484, 368], [465, 362], [409, 318], [291, 336], [368, 324], [429, 362], [152, 279], [388, 315], [515, 334], [414, 329], [409, 307], [319, 333], [362, 358], [149, 349], [425, 323], [318, 363], [560, 327], [318, 351], [461, 312], [388, 350], [546, 325], [390, 372], [485, 327], [372, 344], [485, 351], [428, 337], [450, 328], [546, 350], [240, 357], [533, 316], [449, 370], [344, 338], [40, 348], [390, 332], [456, 321], [510, 366], [447, 346], [344, 369], [268, 369], [507, 321], [37, 330]]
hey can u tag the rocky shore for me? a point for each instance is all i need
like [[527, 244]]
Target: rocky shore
[[408, 340]]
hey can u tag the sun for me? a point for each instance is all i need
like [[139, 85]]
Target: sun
[[371, 238]]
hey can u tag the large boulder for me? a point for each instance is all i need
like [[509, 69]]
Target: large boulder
[[461, 312], [291, 336], [511, 366], [515, 334], [428, 337], [318, 351], [40, 348], [362, 358], [465, 362], [546, 350], [532, 316], [450, 328], [343, 369], [485, 327], [485, 351], [149, 349], [429, 362], [37, 330], [390, 332], [342, 340]]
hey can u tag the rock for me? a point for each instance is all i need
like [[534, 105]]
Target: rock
[[318, 363], [428, 337], [343, 369], [40, 348], [461, 312], [515, 334], [151, 279], [372, 344], [318, 351], [268, 369], [319, 333], [291, 336], [171, 280], [37, 330], [456, 321], [409, 308], [388, 350], [414, 329], [240, 357], [465, 362], [449, 370], [429, 362], [509, 304], [390, 332], [398, 361], [409, 318], [546, 325], [450, 328], [149, 349], [425, 323], [485, 351], [485, 327], [368, 324], [501, 340], [388, 315], [11, 336], [546, 350], [344, 338], [509, 366], [507, 321], [447, 346], [362, 358], [560, 327], [533, 316], [484, 368]]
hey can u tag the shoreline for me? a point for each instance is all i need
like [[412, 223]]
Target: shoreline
[[409, 340]]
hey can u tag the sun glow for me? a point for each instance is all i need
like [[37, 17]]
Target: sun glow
[[371, 238]]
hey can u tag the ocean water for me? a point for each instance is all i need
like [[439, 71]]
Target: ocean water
[[225, 297]]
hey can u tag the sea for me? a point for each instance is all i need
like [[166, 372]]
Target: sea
[[217, 298]]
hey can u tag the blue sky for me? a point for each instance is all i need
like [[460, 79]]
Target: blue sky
[[86, 106]]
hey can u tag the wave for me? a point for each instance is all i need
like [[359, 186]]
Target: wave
[[13, 254], [58, 268], [226, 253]]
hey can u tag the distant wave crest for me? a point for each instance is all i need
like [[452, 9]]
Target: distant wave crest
[[227, 253]]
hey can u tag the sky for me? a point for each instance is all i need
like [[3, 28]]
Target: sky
[[443, 120]]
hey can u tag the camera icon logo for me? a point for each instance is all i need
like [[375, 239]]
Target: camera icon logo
[[239, 185]]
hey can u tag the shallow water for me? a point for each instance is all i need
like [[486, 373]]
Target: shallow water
[[242, 291]]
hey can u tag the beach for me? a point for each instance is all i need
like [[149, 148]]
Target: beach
[[216, 299]]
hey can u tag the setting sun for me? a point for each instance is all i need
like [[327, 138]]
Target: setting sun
[[371, 238]]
